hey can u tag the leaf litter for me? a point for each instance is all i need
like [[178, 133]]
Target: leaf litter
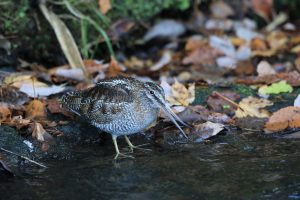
[[224, 51]]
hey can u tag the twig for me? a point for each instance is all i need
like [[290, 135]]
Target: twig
[[228, 100], [24, 157]]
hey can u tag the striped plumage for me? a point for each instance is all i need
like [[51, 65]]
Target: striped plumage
[[119, 106]]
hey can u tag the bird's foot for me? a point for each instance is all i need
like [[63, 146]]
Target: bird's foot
[[139, 147], [122, 156]]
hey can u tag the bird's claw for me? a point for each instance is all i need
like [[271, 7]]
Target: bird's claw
[[122, 156], [139, 147]]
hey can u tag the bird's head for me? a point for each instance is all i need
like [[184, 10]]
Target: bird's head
[[72, 101], [157, 96]]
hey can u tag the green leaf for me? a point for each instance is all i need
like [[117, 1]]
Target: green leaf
[[276, 88]]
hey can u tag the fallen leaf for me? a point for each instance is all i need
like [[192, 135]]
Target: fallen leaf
[[41, 134], [236, 41], [35, 110], [163, 61], [36, 88], [17, 79], [277, 40], [19, 122], [226, 62], [114, 68], [220, 9], [180, 95], [263, 8], [292, 78], [217, 104], [119, 29], [223, 45], [203, 55], [284, 118], [264, 68], [219, 24], [206, 130], [258, 44], [244, 68], [246, 33], [165, 29], [253, 107], [104, 6], [194, 114], [73, 73], [12, 97], [264, 53], [5, 113], [275, 88], [251, 123], [297, 63], [194, 43]]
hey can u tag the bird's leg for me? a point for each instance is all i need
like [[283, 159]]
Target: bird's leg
[[131, 146], [114, 138]]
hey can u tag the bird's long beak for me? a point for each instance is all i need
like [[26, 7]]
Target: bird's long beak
[[173, 117]]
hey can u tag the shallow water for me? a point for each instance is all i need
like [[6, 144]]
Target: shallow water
[[234, 166]]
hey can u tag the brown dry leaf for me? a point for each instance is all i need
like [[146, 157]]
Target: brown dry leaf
[[258, 44], [135, 63], [251, 123], [19, 122], [104, 6], [252, 107], [17, 79], [35, 110], [5, 113], [294, 40], [194, 43], [180, 95], [277, 40], [297, 64], [263, 8], [288, 117], [119, 29], [263, 53], [204, 55], [114, 68], [41, 134], [244, 68], [93, 66], [292, 78], [206, 130]]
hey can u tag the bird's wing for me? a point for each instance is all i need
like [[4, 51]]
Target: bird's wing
[[105, 102]]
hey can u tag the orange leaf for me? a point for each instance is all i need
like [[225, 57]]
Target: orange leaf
[[5, 113], [35, 110], [104, 5], [288, 117], [114, 68]]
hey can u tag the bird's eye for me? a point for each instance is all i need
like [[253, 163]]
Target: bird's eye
[[151, 92]]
